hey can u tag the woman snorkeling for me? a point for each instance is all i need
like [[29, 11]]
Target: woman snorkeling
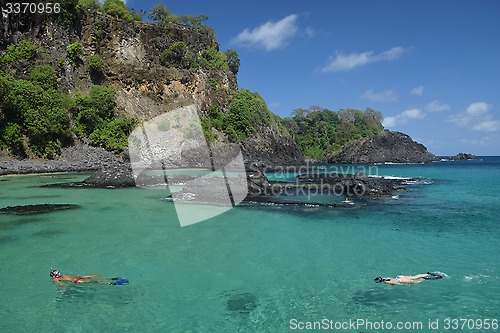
[[408, 279], [58, 277]]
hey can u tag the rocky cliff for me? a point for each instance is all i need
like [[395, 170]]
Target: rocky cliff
[[272, 147], [145, 88], [387, 147], [130, 52]]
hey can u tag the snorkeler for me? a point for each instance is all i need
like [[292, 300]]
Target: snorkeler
[[57, 277], [408, 279], [347, 201]]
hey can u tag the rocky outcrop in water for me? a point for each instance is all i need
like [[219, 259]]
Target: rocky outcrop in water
[[351, 185], [461, 157], [387, 147], [36, 209], [111, 177]]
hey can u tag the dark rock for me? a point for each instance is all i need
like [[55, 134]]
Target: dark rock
[[461, 157], [256, 178], [387, 147], [271, 147], [111, 177], [351, 185], [361, 175], [36, 209]]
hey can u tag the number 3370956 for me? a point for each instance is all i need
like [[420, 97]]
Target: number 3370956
[[31, 8]]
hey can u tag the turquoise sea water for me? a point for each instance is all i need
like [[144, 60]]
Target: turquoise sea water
[[255, 268]]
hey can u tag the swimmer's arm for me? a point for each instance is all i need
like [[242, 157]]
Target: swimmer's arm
[[59, 283]]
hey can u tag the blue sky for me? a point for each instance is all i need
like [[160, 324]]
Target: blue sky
[[431, 67]]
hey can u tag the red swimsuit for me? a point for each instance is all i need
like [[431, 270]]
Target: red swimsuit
[[78, 278]]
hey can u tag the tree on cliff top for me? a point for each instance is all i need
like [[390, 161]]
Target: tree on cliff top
[[321, 132], [94, 4], [117, 8], [162, 14], [159, 13], [233, 61]]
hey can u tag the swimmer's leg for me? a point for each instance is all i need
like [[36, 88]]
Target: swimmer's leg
[[93, 281], [418, 276], [96, 276]]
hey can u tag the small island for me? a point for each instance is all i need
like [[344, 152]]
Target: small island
[[461, 157]]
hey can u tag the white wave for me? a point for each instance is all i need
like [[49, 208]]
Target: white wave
[[391, 177], [442, 274], [468, 278]]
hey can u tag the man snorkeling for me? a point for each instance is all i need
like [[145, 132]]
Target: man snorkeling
[[347, 201], [58, 277], [408, 279]]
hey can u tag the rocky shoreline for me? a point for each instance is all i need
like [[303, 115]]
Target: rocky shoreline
[[77, 158]]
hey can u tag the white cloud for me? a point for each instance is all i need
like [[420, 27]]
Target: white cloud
[[404, 117], [419, 91], [435, 106], [388, 95], [487, 126], [478, 108], [476, 117], [389, 121], [413, 114], [273, 105], [345, 62], [270, 35]]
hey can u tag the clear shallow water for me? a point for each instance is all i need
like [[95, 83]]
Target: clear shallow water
[[255, 267]]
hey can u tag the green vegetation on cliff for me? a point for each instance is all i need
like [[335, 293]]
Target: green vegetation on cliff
[[42, 108], [33, 111], [248, 112], [95, 119], [24, 50], [36, 117], [178, 55], [321, 132], [162, 14]]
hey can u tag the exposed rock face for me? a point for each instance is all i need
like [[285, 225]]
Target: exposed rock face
[[145, 88], [111, 177], [387, 147], [256, 179], [271, 147], [462, 156], [130, 51]]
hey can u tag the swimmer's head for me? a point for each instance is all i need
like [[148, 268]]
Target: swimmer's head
[[55, 273], [379, 279]]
